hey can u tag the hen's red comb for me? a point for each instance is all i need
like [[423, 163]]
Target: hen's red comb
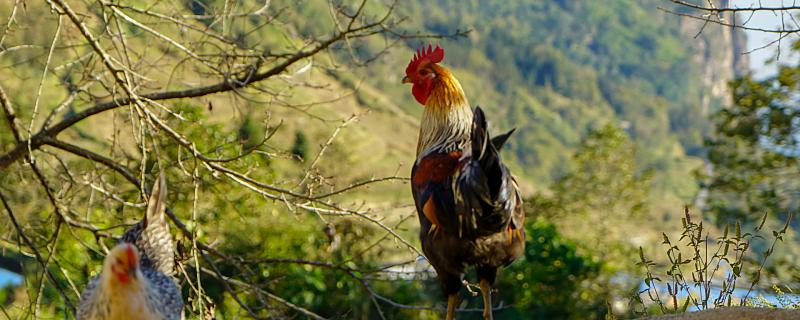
[[131, 255], [434, 55]]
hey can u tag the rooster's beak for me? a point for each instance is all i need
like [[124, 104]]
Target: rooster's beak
[[406, 79]]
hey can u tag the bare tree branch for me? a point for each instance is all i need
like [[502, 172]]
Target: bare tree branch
[[716, 15], [96, 54]]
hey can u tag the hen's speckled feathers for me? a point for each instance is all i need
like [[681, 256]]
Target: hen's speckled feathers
[[151, 289]]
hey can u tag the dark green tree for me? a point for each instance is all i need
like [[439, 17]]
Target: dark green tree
[[300, 148], [754, 150], [550, 282], [606, 178], [251, 134], [603, 196]]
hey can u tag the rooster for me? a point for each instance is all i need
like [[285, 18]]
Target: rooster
[[469, 205], [136, 281]]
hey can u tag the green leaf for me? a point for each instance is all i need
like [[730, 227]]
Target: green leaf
[[763, 220]]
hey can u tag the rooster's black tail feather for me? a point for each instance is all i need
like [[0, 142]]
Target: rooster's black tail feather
[[484, 191]]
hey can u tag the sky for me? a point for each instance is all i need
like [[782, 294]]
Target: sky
[[763, 60], [9, 278]]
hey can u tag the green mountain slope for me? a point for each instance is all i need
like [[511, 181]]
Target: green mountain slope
[[557, 68]]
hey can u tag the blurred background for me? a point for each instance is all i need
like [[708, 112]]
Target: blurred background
[[655, 146]]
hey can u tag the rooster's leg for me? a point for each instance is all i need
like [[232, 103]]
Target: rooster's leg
[[452, 301], [486, 275], [486, 290]]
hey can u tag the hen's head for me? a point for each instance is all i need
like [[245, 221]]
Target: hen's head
[[423, 72], [122, 264]]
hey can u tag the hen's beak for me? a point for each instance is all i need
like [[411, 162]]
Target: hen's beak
[[406, 79]]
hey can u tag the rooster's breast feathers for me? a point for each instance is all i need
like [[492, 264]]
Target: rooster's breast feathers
[[431, 184]]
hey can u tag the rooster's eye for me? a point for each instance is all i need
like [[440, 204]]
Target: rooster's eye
[[426, 73]]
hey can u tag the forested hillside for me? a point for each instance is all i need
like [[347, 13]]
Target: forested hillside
[[555, 69]]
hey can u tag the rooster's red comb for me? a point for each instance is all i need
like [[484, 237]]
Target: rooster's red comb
[[432, 54]]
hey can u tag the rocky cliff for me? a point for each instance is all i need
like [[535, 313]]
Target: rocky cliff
[[720, 53]]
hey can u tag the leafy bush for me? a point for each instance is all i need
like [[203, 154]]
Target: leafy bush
[[702, 276], [551, 280]]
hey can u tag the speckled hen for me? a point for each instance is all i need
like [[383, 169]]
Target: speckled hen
[[136, 281]]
